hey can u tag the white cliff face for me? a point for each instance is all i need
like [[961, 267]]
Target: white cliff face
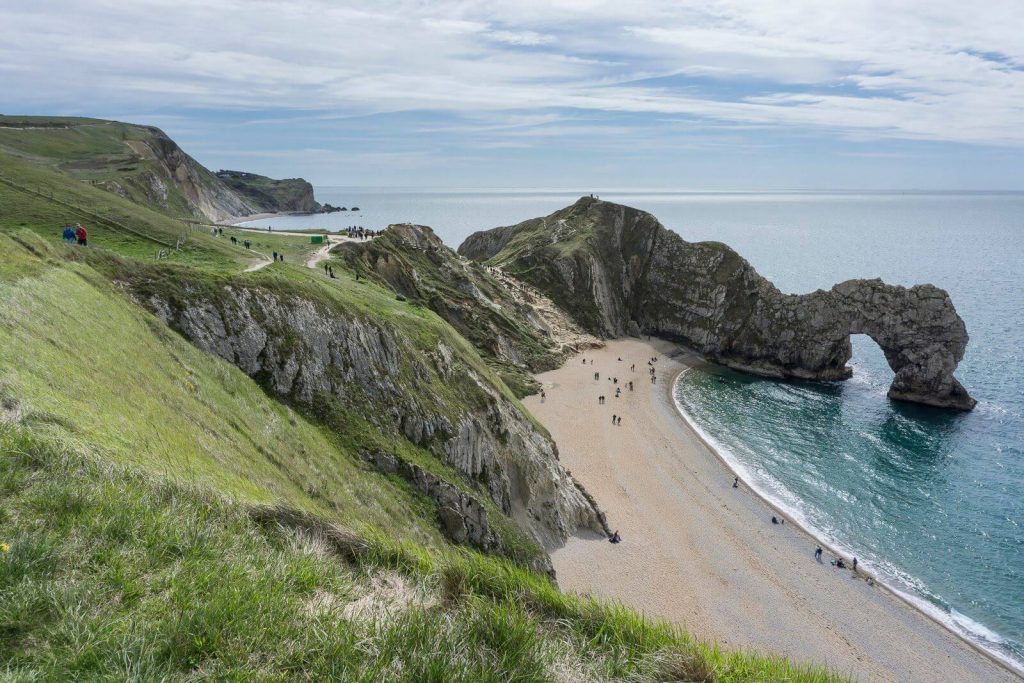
[[304, 352]]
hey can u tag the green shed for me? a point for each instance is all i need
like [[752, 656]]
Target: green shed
[[316, 239]]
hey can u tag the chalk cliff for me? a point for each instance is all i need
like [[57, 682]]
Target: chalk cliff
[[617, 270]]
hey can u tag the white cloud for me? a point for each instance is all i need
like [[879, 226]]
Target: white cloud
[[922, 69]]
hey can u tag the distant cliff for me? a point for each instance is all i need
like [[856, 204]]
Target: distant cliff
[[267, 194], [617, 270], [144, 165]]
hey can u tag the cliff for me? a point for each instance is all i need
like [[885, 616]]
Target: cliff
[[617, 270], [408, 379], [267, 194], [144, 165], [510, 327]]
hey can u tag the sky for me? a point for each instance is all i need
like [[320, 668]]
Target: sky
[[721, 95]]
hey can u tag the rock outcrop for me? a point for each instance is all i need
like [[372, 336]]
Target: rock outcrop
[[316, 355], [618, 270], [162, 176], [144, 165], [267, 194], [506, 323]]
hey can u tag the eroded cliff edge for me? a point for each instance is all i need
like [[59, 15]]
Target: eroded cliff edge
[[617, 270], [418, 383]]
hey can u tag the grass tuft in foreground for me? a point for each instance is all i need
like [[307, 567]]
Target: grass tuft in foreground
[[114, 575]]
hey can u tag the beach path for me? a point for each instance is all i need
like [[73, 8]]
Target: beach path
[[705, 555]]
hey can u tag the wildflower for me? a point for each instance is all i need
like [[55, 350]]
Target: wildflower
[[4, 548]]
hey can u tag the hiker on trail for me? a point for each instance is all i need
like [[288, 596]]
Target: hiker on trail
[[617, 392], [81, 235], [855, 565], [619, 421], [615, 537], [542, 396], [282, 258], [735, 482], [613, 419], [817, 553], [597, 375], [68, 234], [632, 368], [246, 244], [275, 256]]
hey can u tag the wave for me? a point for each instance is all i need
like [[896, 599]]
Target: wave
[[899, 583]]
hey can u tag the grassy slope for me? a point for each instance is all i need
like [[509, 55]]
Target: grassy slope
[[145, 397], [438, 280], [127, 496], [73, 201], [112, 576], [95, 151]]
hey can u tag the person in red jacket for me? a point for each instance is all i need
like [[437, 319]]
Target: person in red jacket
[[81, 235]]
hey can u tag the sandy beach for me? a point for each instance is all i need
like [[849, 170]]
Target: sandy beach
[[705, 555]]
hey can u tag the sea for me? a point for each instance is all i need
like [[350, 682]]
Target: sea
[[930, 501]]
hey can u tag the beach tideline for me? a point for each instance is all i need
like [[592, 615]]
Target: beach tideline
[[701, 553]]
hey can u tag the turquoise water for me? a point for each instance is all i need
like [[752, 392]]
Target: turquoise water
[[931, 501]]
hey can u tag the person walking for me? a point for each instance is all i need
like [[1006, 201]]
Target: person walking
[[69, 234], [82, 235]]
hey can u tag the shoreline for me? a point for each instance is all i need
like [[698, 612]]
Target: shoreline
[[822, 539], [236, 221], [705, 556]]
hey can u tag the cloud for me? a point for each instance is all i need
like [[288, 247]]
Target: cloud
[[934, 70]]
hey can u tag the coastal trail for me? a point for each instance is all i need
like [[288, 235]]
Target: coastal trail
[[314, 259], [706, 556]]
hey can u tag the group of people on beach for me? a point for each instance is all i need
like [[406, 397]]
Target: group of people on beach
[[76, 233], [838, 563], [616, 418]]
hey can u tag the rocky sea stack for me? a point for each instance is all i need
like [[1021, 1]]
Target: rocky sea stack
[[618, 271]]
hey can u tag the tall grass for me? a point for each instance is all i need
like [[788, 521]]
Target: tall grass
[[112, 575]]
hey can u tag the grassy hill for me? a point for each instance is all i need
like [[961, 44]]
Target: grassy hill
[[168, 513], [142, 164], [291, 194]]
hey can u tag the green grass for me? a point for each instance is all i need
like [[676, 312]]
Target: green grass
[[111, 575], [82, 363], [168, 519], [74, 201], [116, 156]]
